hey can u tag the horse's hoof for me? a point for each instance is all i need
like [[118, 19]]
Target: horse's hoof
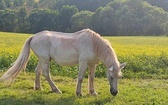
[[79, 94], [93, 93], [38, 88], [57, 91]]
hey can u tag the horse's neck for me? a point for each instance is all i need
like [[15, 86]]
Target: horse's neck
[[106, 55], [104, 52], [107, 58]]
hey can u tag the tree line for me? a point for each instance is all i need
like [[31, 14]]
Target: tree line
[[107, 17]]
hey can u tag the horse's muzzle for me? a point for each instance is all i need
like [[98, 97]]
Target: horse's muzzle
[[114, 93]]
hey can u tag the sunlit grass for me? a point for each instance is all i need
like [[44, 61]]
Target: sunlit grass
[[131, 92]]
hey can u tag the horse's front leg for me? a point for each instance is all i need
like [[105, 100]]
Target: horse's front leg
[[82, 70], [91, 76]]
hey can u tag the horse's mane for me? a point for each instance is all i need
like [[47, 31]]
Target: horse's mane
[[103, 48]]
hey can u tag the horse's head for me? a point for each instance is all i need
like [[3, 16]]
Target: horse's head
[[113, 74]]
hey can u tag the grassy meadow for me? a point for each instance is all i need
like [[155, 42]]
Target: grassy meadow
[[144, 80], [131, 92]]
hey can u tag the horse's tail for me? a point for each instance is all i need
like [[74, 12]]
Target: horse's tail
[[19, 64]]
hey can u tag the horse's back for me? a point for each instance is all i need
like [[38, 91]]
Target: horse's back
[[64, 48]]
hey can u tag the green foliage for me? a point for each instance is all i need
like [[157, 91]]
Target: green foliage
[[107, 17], [90, 5], [159, 3], [43, 19], [146, 66], [132, 17], [6, 59], [103, 21], [81, 20], [66, 13], [8, 20], [2, 5]]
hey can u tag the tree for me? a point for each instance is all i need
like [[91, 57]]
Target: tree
[[159, 3], [125, 21], [23, 25], [108, 21], [65, 16], [131, 17], [90, 5], [43, 19], [165, 27], [16, 2], [81, 20], [104, 21], [2, 5], [96, 21], [9, 3], [107, 17], [8, 20], [31, 2]]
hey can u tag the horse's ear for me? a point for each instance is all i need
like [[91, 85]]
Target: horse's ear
[[122, 65], [111, 68]]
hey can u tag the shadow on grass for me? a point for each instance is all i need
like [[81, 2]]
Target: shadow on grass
[[36, 99], [100, 102]]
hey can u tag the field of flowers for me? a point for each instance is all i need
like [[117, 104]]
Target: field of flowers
[[146, 56], [11, 44]]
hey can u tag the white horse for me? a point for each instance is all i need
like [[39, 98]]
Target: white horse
[[84, 47]]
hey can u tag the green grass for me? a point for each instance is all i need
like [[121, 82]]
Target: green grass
[[131, 92]]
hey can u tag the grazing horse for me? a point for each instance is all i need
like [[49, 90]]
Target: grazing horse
[[84, 47]]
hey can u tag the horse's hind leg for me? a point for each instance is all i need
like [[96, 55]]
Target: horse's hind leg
[[46, 72], [91, 79], [37, 79]]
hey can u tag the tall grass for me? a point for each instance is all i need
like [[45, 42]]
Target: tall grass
[[146, 57]]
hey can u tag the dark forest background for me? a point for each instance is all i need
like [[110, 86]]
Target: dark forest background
[[107, 17]]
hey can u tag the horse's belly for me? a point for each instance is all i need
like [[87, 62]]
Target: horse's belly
[[68, 62], [66, 57]]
